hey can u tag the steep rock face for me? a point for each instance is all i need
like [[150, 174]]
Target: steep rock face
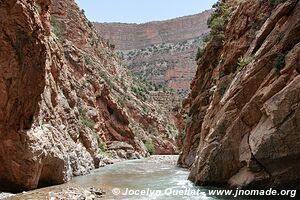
[[170, 65], [22, 61], [162, 53], [64, 97], [244, 114], [138, 36]]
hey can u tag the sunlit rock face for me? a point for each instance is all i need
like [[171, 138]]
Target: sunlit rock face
[[243, 114], [65, 98]]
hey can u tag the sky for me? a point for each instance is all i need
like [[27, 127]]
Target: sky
[[141, 11]]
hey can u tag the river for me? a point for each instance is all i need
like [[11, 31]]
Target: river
[[144, 179]]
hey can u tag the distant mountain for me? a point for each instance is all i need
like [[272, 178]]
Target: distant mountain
[[162, 52]]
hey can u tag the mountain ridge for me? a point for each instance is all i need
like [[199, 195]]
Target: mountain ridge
[[126, 36], [163, 52]]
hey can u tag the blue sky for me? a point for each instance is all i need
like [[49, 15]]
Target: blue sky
[[140, 11]]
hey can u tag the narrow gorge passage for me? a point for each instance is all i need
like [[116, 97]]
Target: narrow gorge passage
[[200, 101], [146, 179]]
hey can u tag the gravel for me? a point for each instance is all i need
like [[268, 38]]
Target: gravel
[[165, 159], [5, 195]]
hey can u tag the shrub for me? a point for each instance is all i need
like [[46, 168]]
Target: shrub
[[199, 53], [218, 21], [222, 90], [146, 109], [112, 46], [56, 29], [221, 74], [243, 62], [150, 147], [101, 145], [187, 119], [87, 60], [180, 135], [85, 120], [279, 62], [154, 131], [274, 3], [106, 78], [90, 24], [122, 100], [207, 38], [139, 92], [217, 24]]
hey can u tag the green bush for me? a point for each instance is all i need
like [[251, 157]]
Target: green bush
[[140, 92], [243, 62], [207, 38], [87, 60], [279, 62], [183, 135], [274, 3], [85, 120], [222, 90], [217, 23], [150, 147], [106, 78], [199, 53], [56, 29], [121, 100], [221, 74], [180, 136], [101, 145], [154, 131], [187, 119], [146, 109]]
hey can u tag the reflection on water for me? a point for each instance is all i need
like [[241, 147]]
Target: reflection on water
[[143, 179]]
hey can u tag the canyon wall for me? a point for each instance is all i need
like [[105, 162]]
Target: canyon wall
[[163, 52], [139, 36], [66, 101], [242, 115]]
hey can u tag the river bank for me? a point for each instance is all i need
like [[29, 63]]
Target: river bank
[[80, 188], [4, 195]]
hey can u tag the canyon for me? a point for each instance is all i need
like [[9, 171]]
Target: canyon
[[69, 104], [161, 52]]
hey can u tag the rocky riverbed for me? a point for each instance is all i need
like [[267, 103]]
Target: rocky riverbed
[[58, 193], [165, 159], [5, 195]]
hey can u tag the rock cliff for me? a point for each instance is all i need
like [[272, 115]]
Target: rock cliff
[[163, 52], [65, 99], [242, 115], [139, 36]]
